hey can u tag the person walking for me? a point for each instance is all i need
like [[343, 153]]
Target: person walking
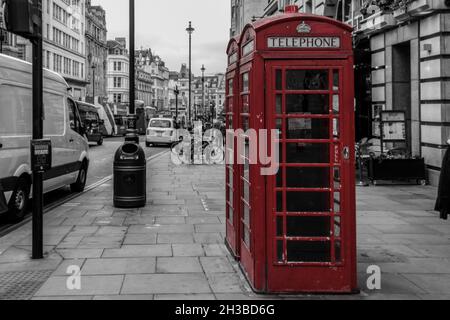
[[443, 200]]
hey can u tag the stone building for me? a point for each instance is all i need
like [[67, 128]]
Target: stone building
[[156, 67], [96, 53], [118, 75]]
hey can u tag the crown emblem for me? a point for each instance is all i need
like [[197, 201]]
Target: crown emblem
[[303, 28]]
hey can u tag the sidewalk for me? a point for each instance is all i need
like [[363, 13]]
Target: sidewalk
[[174, 247]]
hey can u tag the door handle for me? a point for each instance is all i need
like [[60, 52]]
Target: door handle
[[1, 145], [71, 140]]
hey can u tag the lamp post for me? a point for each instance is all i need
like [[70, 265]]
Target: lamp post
[[190, 30], [132, 135], [177, 92], [93, 67], [203, 90]]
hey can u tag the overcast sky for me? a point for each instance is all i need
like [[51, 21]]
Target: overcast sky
[[161, 25]]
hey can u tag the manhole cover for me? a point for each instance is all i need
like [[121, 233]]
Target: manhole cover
[[22, 285]]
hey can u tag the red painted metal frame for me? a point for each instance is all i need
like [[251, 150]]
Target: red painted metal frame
[[232, 174], [258, 257]]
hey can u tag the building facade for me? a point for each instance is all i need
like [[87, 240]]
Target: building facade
[[410, 60], [8, 41], [96, 53], [64, 51], [243, 12], [156, 67], [144, 84], [117, 75]]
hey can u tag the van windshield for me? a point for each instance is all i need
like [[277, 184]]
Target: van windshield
[[164, 124]]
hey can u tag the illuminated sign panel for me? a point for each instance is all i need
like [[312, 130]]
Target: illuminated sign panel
[[304, 42]]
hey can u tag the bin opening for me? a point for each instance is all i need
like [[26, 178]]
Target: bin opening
[[130, 148]]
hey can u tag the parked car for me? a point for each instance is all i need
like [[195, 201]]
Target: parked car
[[92, 122], [62, 125], [161, 131]]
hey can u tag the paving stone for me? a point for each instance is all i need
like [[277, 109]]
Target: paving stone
[[392, 284], [140, 239], [119, 266], [431, 283], [224, 283], [209, 228], [170, 220], [161, 229], [63, 267], [178, 265], [80, 253], [216, 250], [97, 285], [216, 265], [208, 238], [165, 284], [175, 238], [137, 251], [188, 250]]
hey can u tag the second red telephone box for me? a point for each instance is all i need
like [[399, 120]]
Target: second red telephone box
[[294, 231]]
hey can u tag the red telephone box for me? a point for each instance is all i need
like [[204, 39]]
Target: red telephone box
[[297, 229], [232, 188]]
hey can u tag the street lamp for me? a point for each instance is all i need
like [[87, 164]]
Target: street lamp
[[93, 67], [132, 135], [177, 92], [203, 90], [190, 30]]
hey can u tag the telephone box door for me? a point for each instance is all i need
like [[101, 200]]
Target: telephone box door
[[310, 216]]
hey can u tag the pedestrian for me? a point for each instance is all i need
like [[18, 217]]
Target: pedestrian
[[443, 200]]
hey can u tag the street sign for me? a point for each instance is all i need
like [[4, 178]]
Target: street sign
[[41, 155]]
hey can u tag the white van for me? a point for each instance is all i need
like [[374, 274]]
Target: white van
[[62, 125], [161, 131]]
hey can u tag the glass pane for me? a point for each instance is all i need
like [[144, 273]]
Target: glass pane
[[280, 251], [279, 125], [338, 251], [303, 251], [307, 80], [337, 202], [308, 202], [308, 177], [230, 87], [335, 80], [246, 192], [307, 104], [337, 227], [280, 206], [245, 123], [280, 178], [279, 80], [308, 226], [279, 104], [336, 128], [230, 122], [337, 178], [247, 237], [307, 153], [245, 104], [246, 217], [230, 214], [336, 104], [308, 128], [245, 82], [280, 227]]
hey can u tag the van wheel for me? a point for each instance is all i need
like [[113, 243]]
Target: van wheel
[[81, 180], [18, 204], [100, 142]]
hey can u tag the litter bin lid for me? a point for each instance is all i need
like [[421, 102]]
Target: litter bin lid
[[130, 154]]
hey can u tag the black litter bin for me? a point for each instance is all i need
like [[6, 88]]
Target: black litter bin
[[130, 185]]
